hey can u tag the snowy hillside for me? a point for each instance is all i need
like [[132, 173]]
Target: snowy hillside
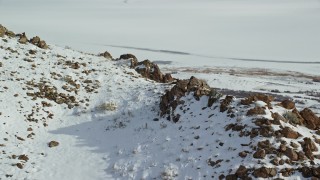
[[66, 114]]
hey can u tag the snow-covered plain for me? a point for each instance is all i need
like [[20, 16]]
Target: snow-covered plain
[[207, 32]]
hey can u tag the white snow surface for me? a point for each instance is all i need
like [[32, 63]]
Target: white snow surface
[[115, 132]]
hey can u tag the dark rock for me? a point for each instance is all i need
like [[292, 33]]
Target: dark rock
[[10, 34], [3, 31], [167, 78], [38, 42], [241, 171], [300, 120], [289, 133], [171, 99], [291, 154], [53, 144], [264, 172], [231, 177], [311, 120], [260, 154], [277, 117], [35, 40], [306, 172], [258, 97], [288, 104], [23, 157], [243, 154], [106, 54], [309, 147], [256, 111], [225, 103], [23, 38], [43, 45], [151, 71]]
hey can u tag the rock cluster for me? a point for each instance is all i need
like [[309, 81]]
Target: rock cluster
[[147, 69], [38, 42], [5, 31], [171, 99]]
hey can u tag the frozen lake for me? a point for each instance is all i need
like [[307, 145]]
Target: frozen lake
[[227, 33]]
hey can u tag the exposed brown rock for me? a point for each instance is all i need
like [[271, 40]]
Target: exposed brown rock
[[23, 38], [289, 133], [311, 120], [241, 171], [264, 172], [243, 154], [53, 144], [171, 99], [106, 54], [288, 104], [309, 147], [291, 154], [300, 120], [258, 97], [260, 154], [23, 157], [3, 31], [35, 40], [225, 103], [149, 70], [38, 42], [256, 111]]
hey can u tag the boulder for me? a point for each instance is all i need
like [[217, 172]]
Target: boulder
[[131, 57], [289, 133], [3, 31], [241, 171], [258, 97], [225, 103], [256, 111], [264, 172], [43, 45], [288, 104], [106, 54], [311, 120], [260, 154], [23, 38], [38, 42], [291, 154], [35, 40], [308, 147]]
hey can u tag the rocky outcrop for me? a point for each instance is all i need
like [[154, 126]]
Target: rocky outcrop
[[147, 69], [151, 71], [171, 99]]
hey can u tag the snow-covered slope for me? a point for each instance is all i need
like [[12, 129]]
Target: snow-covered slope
[[72, 115]]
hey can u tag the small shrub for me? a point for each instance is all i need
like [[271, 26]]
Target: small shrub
[[107, 106], [291, 117]]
